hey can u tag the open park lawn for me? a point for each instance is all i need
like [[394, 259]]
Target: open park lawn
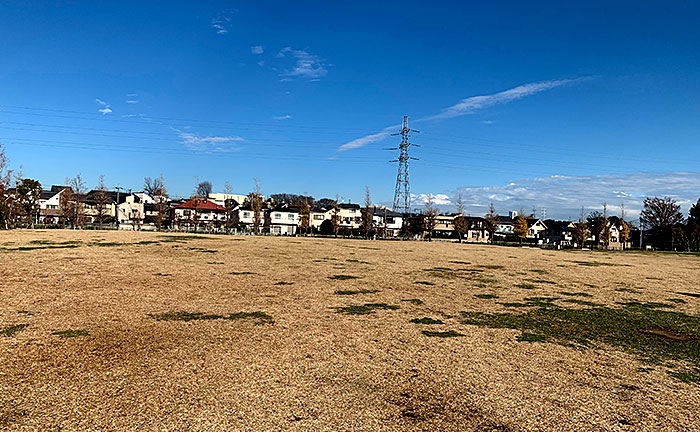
[[156, 331]]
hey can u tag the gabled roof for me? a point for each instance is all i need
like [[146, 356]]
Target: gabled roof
[[349, 206], [200, 204], [382, 211]]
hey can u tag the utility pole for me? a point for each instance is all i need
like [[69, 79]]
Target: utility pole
[[402, 194]]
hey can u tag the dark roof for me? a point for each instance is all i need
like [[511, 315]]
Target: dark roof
[[382, 211], [555, 224], [286, 209], [349, 206], [504, 219]]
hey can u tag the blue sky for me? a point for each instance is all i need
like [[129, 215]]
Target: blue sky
[[538, 104]]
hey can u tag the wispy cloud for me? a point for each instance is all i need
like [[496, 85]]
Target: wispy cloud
[[132, 98], [106, 109], [211, 144], [369, 139], [282, 117], [474, 103], [257, 49], [307, 65], [563, 196], [471, 105], [222, 22]]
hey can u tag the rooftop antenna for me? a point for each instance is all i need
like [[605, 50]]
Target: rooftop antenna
[[402, 194]]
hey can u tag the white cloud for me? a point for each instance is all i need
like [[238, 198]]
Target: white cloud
[[307, 65], [257, 49], [132, 98], [563, 196], [222, 22], [368, 139], [261, 63], [487, 122], [472, 104], [106, 109], [211, 144], [282, 117], [438, 199]]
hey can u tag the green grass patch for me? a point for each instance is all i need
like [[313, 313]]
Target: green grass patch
[[259, 317], [353, 292], [342, 277], [162, 274], [690, 294], [202, 250], [527, 286], [37, 247], [676, 300], [13, 329], [491, 266], [486, 296], [575, 294], [538, 271], [71, 333], [654, 335], [426, 320], [649, 305], [423, 283], [598, 264], [284, 283], [687, 376], [530, 337], [460, 262], [239, 273], [541, 281], [443, 334], [367, 308], [215, 262], [357, 261], [414, 301], [581, 302]]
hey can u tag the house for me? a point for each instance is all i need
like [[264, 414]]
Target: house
[[476, 230], [130, 212], [198, 212], [221, 198], [245, 216], [388, 223], [318, 215], [350, 216], [504, 224], [559, 233], [284, 220], [50, 205], [536, 229]]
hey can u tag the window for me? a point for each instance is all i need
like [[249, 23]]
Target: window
[[278, 216], [290, 216], [319, 217], [246, 214]]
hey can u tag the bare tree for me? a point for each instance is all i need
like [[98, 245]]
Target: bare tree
[[366, 214], [204, 189], [430, 213], [661, 214], [605, 232], [156, 189], [305, 216], [335, 216], [102, 200], [73, 202], [5, 179], [256, 204]]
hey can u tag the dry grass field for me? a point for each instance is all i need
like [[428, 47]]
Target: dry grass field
[[149, 331]]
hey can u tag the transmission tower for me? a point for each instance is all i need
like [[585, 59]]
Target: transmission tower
[[402, 195]]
